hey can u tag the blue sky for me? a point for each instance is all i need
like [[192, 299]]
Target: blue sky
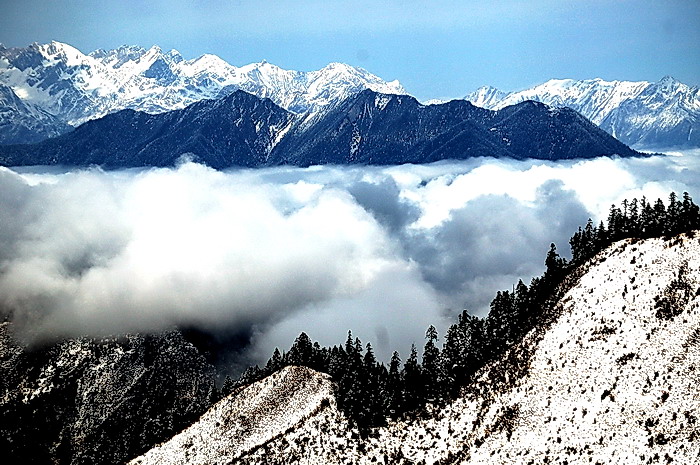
[[437, 49]]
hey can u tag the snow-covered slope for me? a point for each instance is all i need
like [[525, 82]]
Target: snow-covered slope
[[23, 122], [643, 114], [74, 87], [245, 421], [612, 378]]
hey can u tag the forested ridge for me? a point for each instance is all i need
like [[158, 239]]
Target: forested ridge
[[369, 392]]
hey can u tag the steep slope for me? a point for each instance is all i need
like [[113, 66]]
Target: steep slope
[[367, 128], [249, 419], [97, 401], [73, 87], [611, 377], [644, 114]]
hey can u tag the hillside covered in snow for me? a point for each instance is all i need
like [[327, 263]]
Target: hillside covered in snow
[[610, 375]]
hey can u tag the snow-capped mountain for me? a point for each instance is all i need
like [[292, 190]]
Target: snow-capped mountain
[[73, 87], [611, 377], [644, 114], [23, 122]]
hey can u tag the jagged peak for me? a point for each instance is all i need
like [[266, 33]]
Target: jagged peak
[[338, 66], [155, 49], [55, 47], [668, 79]]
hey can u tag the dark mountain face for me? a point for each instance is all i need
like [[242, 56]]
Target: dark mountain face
[[237, 130], [368, 128], [86, 401], [535, 130], [390, 129]]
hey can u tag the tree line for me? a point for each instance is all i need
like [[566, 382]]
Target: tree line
[[369, 392]]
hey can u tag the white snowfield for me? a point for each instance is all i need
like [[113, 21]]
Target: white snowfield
[[594, 98], [609, 380], [62, 81]]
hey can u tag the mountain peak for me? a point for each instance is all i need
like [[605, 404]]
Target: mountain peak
[[668, 80], [651, 116], [155, 81]]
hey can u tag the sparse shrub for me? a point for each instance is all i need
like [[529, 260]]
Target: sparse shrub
[[675, 297]]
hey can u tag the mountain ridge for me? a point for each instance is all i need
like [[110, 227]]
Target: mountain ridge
[[640, 113], [69, 87], [74, 87], [367, 128]]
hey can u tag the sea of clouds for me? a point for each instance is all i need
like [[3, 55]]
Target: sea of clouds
[[383, 251]]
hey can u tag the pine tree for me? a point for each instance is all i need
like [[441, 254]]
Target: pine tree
[[556, 266], [690, 214], [463, 352], [275, 362], [413, 388], [394, 385], [432, 370], [301, 352], [673, 215], [228, 386]]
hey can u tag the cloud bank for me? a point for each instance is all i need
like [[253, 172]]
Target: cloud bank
[[383, 251]]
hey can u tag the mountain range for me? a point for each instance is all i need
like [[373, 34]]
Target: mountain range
[[642, 114], [55, 85], [47, 89], [366, 128]]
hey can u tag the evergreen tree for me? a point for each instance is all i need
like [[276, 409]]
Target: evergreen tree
[[413, 394], [432, 370], [501, 319], [690, 214], [394, 394], [301, 352], [228, 386], [275, 362], [615, 223], [647, 221], [556, 266], [673, 215], [464, 351], [659, 219]]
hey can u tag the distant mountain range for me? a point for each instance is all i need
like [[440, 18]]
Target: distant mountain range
[[47, 90], [367, 128], [46, 87], [654, 115]]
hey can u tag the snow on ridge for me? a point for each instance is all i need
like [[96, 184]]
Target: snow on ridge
[[247, 419], [639, 113], [103, 81], [595, 98]]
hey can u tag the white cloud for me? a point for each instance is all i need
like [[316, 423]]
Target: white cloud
[[383, 251]]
